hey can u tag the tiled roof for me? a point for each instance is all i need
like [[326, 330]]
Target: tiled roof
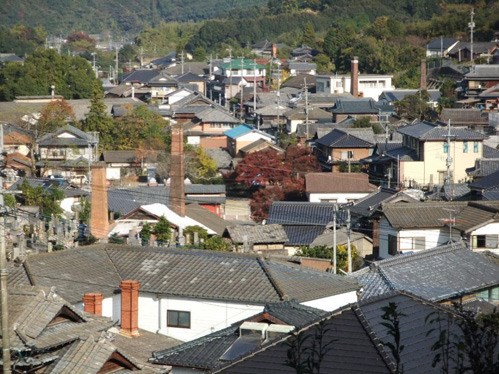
[[302, 66], [355, 106], [489, 152], [400, 94], [352, 347], [464, 116], [129, 156], [434, 274], [338, 183], [483, 71], [139, 75], [313, 114], [206, 218], [489, 182], [221, 157], [327, 238], [483, 167], [183, 273], [348, 138], [80, 138], [420, 215], [216, 115], [370, 203], [430, 131], [301, 213], [257, 234], [302, 235], [259, 145], [476, 214], [239, 63], [441, 43], [205, 352]]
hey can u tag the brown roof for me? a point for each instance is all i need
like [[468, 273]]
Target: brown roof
[[338, 182]]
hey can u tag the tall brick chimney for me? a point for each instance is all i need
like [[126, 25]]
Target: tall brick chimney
[[354, 84], [93, 303], [130, 308], [177, 174], [99, 224], [423, 84]]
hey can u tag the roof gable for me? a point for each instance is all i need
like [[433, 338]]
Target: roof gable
[[338, 183]]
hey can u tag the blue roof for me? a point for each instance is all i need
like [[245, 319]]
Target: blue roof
[[238, 131]]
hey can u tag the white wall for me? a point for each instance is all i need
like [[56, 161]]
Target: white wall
[[113, 173], [434, 237], [333, 302], [339, 197]]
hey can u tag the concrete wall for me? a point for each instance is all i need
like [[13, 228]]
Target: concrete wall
[[340, 198]]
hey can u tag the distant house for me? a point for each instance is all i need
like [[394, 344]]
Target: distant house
[[439, 274], [340, 188], [126, 162], [462, 51], [304, 50], [392, 96], [480, 78], [370, 85], [344, 146], [244, 135], [356, 108], [472, 119], [299, 115], [68, 151], [440, 47], [193, 80], [260, 145], [265, 239], [297, 68], [417, 226], [250, 71]]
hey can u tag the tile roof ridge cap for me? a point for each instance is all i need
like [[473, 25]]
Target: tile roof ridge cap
[[273, 281], [376, 341], [399, 259]]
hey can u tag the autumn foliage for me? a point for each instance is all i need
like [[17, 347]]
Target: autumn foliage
[[278, 176]]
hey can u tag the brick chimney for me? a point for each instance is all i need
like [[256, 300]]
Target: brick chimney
[[177, 174], [423, 84], [354, 84], [99, 224], [93, 303], [130, 308], [274, 50]]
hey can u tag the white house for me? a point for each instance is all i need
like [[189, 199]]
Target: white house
[[412, 227], [185, 293], [370, 85], [338, 188]]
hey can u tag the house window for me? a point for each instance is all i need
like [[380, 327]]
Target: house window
[[475, 147], [177, 318], [485, 241], [446, 148], [392, 245], [465, 147], [413, 244], [345, 155]]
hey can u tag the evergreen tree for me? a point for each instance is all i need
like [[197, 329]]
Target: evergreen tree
[[308, 37], [162, 230]]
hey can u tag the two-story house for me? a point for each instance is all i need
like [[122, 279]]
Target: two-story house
[[344, 146], [428, 154], [369, 85], [246, 69], [68, 152]]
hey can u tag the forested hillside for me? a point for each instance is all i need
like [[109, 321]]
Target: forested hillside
[[119, 16]]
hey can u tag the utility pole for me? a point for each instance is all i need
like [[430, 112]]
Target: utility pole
[[471, 25], [116, 67], [279, 99], [305, 87], [349, 246], [254, 88], [335, 211], [141, 56], [230, 76], [449, 157], [182, 61], [241, 90], [3, 279]]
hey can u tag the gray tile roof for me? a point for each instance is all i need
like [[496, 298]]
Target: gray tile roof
[[313, 114], [257, 234], [301, 213], [489, 152], [205, 352], [430, 131], [435, 274], [80, 138], [327, 238], [183, 273], [483, 167], [355, 106], [302, 235], [129, 156], [140, 75], [441, 43], [205, 217], [476, 214], [464, 116], [221, 157], [483, 72], [348, 138], [352, 347], [368, 205], [487, 183], [420, 215], [400, 94]]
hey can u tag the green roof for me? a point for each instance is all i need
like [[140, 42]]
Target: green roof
[[239, 64]]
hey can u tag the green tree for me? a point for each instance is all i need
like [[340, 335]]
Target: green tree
[[199, 54], [162, 230], [205, 166], [47, 199], [392, 316], [98, 120], [415, 107], [217, 243], [201, 232], [145, 233], [308, 37], [9, 200], [327, 252], [85, 209]]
